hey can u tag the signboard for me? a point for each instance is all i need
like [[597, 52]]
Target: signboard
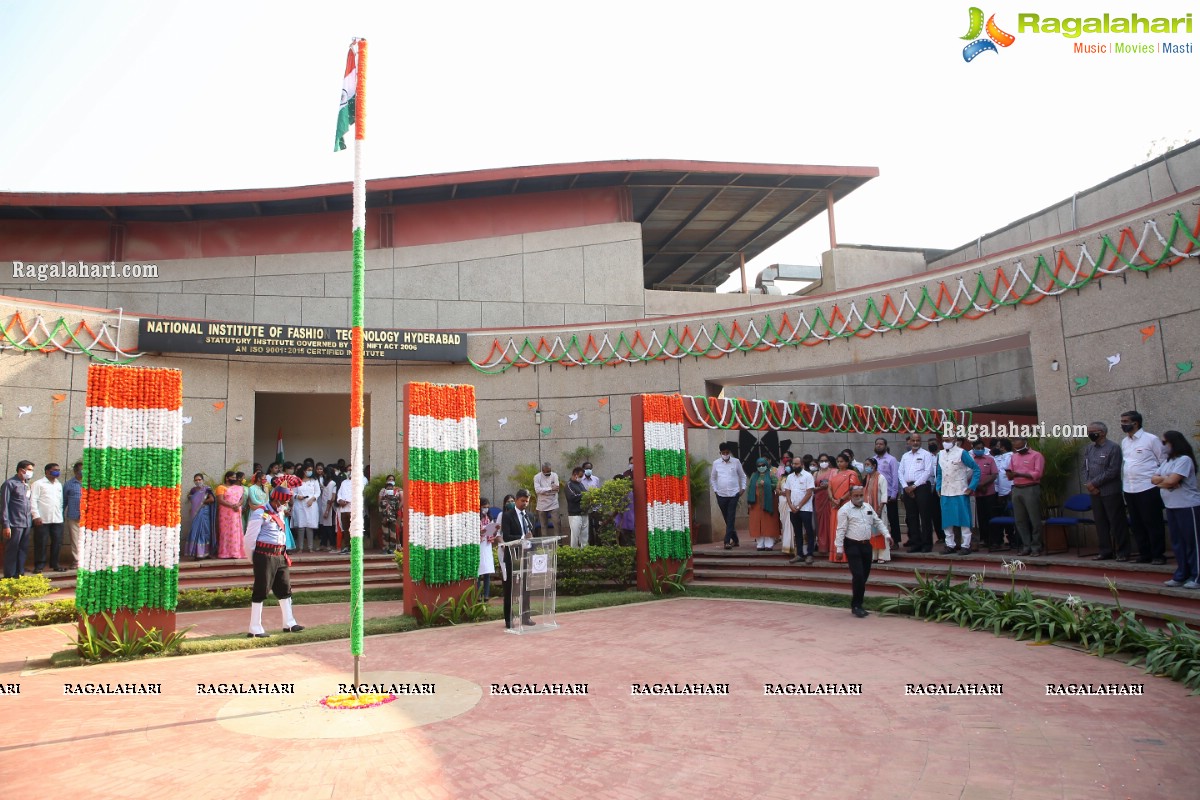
[[256, 339]]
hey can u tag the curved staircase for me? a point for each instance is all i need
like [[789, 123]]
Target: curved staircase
[[1140, 585]]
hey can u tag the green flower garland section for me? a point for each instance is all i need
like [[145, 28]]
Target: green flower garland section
[[442, 466], [575, 351], [118, 468], [127, 587], [675, 545], [666, 462], [439, 567]]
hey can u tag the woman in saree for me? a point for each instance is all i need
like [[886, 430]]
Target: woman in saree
[[761, 500], [230, 497], [203, 503], [876, 496], [826, 522]]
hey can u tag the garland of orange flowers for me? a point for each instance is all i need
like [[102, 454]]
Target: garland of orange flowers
[[356, 702], [443, 483], [132, 471]]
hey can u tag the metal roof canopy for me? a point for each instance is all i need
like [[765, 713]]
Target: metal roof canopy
[[696, 216]]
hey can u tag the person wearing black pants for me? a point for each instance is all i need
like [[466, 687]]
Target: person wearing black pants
[[514, 526], [1141, 455], [728, 481], [917, 470], [1146, 514], [857, 522]]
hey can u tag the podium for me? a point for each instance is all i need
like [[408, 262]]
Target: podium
[[534, 582]]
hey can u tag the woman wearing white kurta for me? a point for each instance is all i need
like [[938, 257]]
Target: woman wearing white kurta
[[786, 538], [306, 513], [488, 529]]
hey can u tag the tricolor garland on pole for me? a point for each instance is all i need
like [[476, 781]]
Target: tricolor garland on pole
[[354, 107], [132, 464]]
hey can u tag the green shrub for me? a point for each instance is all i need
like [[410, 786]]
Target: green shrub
[[606, 501], [204, 599], [15, 591], [94, 644], [55, 612], [582, 570]]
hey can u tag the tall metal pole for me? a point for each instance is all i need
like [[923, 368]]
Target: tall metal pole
[[356, 367]]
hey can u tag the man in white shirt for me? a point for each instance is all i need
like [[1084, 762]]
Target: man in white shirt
[[345, 495], [728, 481], [917, 470], [545, 486], [798, 489], [856, 523], [306, 514], [592, 481], [46, 508], [1141, 455]]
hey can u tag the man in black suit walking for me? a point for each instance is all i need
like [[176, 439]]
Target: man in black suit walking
[[514, 525]]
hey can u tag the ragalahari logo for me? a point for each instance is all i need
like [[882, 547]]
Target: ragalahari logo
[[995, 36]]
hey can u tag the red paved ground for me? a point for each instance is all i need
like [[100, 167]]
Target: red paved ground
[[610, 744]]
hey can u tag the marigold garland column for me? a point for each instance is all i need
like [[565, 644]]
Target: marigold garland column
[[667, 504], [130, 512], [356, 363], [441, 454]]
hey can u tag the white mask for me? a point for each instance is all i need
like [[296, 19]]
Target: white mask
[[824, 465], [725, 457], [27, 474], [947, 445]]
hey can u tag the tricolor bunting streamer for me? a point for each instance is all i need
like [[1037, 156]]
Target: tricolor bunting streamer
[[355, 83], [132, 470], [668, 507], [732, 413], [443, 483], [39, 335], [950, 299]]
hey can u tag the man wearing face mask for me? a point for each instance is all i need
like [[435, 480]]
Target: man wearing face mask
[[957, 478], [917, 471], [15, 520], [389, 514], [271, 566], [1102, 480], [1025, 471], [797, 498], [985, 494], [1141, 455], [889, 470], [592, 481], [46, 506], [728, 481], [857, 522]]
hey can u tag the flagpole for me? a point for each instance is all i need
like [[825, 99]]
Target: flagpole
[[356, 367]]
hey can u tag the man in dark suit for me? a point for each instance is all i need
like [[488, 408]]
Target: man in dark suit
[[515, 524]]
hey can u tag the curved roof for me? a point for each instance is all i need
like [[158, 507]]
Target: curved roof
[[696, 216]]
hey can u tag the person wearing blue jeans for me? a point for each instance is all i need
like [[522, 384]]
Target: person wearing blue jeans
[[728, 481]]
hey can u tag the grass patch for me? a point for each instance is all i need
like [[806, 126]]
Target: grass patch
[[827, 600]]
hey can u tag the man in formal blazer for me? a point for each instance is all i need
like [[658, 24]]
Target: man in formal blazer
[[515, 524]]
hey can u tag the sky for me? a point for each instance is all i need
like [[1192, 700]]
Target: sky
[[139, 96]]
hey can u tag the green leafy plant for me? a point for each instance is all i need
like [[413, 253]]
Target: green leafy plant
[[1062, 457], [589, 454], [521, 477], [469, 607], [398, 559], [606, 501], [204, 599], [111, 642], [433, 614], [664, 582], [583, 570], [54, 612], [15, 591]]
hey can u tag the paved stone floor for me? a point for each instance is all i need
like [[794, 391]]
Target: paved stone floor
[[611, 744]]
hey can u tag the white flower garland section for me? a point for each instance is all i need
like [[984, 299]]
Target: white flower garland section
[[442, 533], [664, 436], [666, 516], [128, 546], [133, 428], [443, 435]]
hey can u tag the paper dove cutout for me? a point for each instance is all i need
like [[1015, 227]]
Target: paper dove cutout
[[77, 430], [24, 410], [603, 401], [532, 404], [1184, 368], [1081, 382], [1148, 331], [1113, 360], [616, 428], [219, 405], [573, 417], [546, 431], [503, 421], [58, 398], [187, 420]]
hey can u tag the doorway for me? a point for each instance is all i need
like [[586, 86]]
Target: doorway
[[315, 426]]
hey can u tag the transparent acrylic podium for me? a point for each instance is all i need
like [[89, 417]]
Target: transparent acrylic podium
[[535, 581]]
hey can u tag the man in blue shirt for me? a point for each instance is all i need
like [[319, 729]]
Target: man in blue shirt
[[72, 495], [16, 520]]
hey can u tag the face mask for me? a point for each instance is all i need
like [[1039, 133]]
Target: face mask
[[868, 470], [54, 473], [725, 457], [390, 484], [812, 468], [977, 452], [762, 468], [510, 504], [824, 465], [308, 473], [1127, 427], [1023, 450], [1093, 436], [947, 445], [27, 474], [587, 473], [798, 468]]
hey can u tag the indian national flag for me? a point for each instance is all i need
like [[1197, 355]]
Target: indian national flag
[[346, 109], [279, 459]]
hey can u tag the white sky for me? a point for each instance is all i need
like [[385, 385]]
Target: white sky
[[139, 96]]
